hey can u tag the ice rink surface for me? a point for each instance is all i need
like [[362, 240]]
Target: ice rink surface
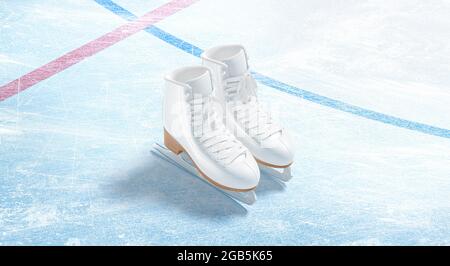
[[75, 161]]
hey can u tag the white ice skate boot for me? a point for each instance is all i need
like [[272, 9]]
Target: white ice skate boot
[[193, 126], [235, 89]]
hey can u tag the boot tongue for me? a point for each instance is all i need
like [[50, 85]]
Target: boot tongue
[[201, 84], [237, 64]]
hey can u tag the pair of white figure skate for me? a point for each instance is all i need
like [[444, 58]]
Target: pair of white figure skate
[[215, 128]]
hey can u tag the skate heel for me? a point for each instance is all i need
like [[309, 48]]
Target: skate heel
[[172, 144]]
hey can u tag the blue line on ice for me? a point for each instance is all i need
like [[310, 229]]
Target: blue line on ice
[[304, 94]]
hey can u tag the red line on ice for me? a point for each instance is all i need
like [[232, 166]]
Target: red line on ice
[[16, 86]]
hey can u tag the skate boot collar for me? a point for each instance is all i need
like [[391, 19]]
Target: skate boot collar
[[194, 78], [237, 64], [201, 84], [233, 57]]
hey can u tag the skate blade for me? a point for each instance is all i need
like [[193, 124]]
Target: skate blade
[[283, 174], [184, 162]]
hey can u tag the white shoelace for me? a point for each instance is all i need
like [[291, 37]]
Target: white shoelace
[[241, 97], [210, 131]]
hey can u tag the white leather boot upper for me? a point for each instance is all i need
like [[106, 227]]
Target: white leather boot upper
[[237, 91], [194, 120]]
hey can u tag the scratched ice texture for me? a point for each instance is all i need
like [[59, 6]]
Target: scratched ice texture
[[75, 161]]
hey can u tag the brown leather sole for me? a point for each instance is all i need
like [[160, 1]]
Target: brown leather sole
[[272, 165]]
